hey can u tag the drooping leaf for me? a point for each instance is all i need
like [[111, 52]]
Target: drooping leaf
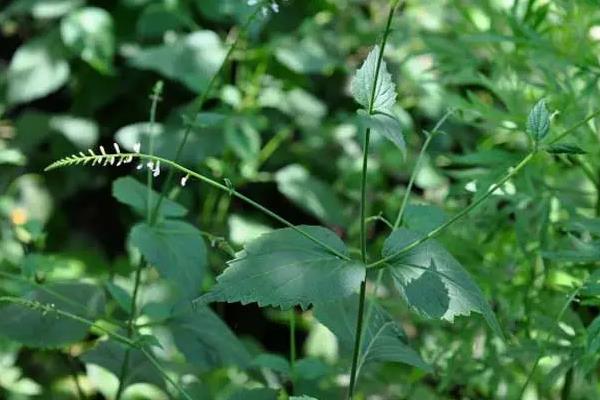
[[310, 194], [387, 125], [363, 80], [538, 121], [35, 328], [565, 148], [433, 282], [383, 339], [83, 133], [88, 32], [176, 249], [110, 356], [130, 191], [206, 341], [284, 268], [36, 69], [191, 59]]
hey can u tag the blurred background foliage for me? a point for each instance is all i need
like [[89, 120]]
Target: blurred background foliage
[[282, 126]]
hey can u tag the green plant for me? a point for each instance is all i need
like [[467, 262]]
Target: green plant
[[524, 205]]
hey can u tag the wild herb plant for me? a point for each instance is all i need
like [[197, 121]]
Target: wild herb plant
[[334, 277]]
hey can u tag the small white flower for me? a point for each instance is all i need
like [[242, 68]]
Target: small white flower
[[102, 150], [121, 159], [184, 180], [156, 170], [150, 165], [275, 7], [91, 152], [117, 148], [137, 147], [140, 166]]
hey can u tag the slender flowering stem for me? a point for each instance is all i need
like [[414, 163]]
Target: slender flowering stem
[[48, 308], [155, 97], [435, 232], [84, 159], [363, 212], [197, 107]]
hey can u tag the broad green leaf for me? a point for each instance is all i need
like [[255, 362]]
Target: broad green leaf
[[565, 148], [35, 328], [311, 194], [383, 339], [242, 229], [284, 268], [387, 125], [206, 341], [243, 138], [432, 282], [88, 32], [311, 368], [191, 59], [120, 295], [83, 133], [177, 250], [110, 356], [273, 362], [12, 157], [307, 56], [363, 82], [37, 69], [128, 190], [593, 336], [303, 398], [583, 224], [139, 132], [538, 121], [423, 218], [158, 18]]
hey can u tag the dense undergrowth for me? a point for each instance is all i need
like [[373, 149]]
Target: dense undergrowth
[[328, 199]]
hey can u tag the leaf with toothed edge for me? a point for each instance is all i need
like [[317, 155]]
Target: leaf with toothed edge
[[433, 282], [283, 268], [362, 84]]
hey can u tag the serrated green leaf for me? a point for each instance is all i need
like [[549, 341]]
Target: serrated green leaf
[[432, 282], [36, 328], [284, 268], [110, 355], [311, 194], [387, 125], [383, 339], [362, 84], [565, 148], [177, 250], [538, 121], [423, 218], [130, 191], [88, 32], [206, 341]]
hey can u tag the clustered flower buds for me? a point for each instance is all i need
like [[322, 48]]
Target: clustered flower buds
[[266, 6]]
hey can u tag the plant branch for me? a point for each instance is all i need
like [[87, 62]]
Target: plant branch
[[363, 207], [84, 159]]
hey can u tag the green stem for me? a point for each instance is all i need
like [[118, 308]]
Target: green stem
[[540, 353], [435, 232], [209, 181], [363, 212], [45, 308], [155, 97], [293, 346], [197, 107], [575, 127]]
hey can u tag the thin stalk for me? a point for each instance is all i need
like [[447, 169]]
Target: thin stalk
[[80, 393], [209, 181], [293, 347], [575, 127], [435, 232], [197, 107], [363, 212], [540, 353], [155, 97], [417, 167], [45, 308]]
